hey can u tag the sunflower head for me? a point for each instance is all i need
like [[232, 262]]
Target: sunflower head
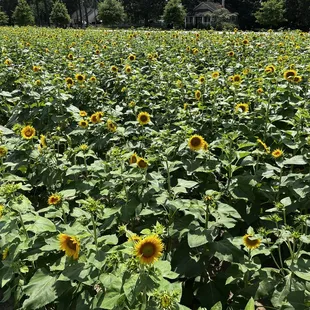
[[28, 132], [289, 74], [202, 79], [133, 158], [95, 118], [148, 249], [231, 54], [80, 77], [132, 57], [236, 78], [270, 69], [83, 123], [128, 69], [297, 79], [215, 75], [245, 42], [3, 151], [197, 94], [143, 118], [251, 242], [142, 163], [260, 91], [70, 245], [244, 107], [93, 79], [277, 153], [69, 81], [70, 56], [36, 68], [54, 199], [111, 125], [83, 113], [43, 141], [114, 69], [196, 142], [8, 62]]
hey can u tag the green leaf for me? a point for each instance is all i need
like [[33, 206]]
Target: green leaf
[[186, 183], [250, 305], [40, 289], [111, 300], [42, 225], [198, 236], [295, 160], [217, 306], [6, 274]]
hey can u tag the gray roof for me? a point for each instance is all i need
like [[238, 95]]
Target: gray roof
[[207, 6]]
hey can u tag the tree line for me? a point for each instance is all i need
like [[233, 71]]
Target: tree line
[[252, 14]]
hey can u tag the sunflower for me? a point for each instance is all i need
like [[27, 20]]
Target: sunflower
[[277, 153], [93, 79], [245, 42], [28, 132], [8, 62], [197, 94], [132, 57], [202, 79], [195, 51], [236, 78], [133, 158], [215, 74], [143, 118], [111, 125], [131, 104], [69, 81], [83, 113], [70, 56], [97, 52], [260, 91], [244, 107], [36, 68], [142, 163], [297, 79], [128, 69], [148, 249], [5, 253], [166, 301], [54, 199], [1, 210], [231, 54], [95, 118], [251, 242], [43, 141], [83, 123], [80, 77], [134, 238], [196, 142], [69, 244], [289, 74], [270, 69], [37, 82], [114, 69], [3, 151], [83, 147]]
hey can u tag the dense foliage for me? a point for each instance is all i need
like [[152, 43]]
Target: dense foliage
[[111, 12], [59, 15], [154, 170], [23, 14], [174, 13]]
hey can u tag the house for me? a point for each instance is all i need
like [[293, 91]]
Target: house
[[204, 15]]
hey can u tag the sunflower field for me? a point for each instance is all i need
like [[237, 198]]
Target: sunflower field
[[149, 170]]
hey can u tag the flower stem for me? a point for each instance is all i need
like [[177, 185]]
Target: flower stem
[[95, 230]]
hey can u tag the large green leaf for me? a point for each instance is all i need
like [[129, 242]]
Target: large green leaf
[[250, 305], [296, 160], [40, 289], [217, 306]]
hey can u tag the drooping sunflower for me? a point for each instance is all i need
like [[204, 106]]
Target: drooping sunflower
[[251, 242], [196, 142], [83, 113], [197, 94], [83, 123], [3, 151], [142, 163], [244, 107], [70, 245], [148, 249], [54, 199], [111, 125], [277, 153], [43, 141], [69, 81], [289, 74], [143, 118], [133, 158], [80, 77], [28, 132]]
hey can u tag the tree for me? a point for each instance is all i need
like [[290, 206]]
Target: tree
[[297, 14], [271, 13], [59, 15], [222, 18], [174, 13], [23, 14], [111, 12], [4, 19]]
